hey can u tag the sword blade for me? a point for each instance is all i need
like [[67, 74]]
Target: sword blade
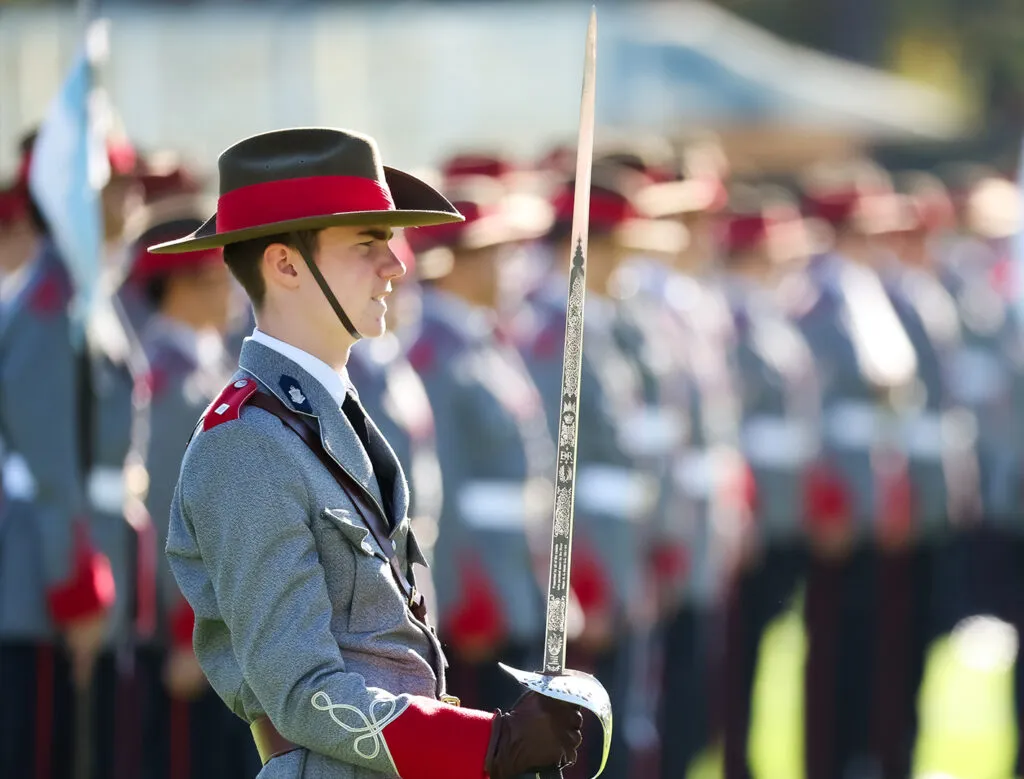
[[572, 361]]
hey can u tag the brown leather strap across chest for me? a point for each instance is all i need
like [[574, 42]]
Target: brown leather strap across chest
[[372, 518]]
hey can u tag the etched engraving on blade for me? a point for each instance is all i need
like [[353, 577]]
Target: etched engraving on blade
[[568, 424]]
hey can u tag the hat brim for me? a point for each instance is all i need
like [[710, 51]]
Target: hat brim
[[417, 204]]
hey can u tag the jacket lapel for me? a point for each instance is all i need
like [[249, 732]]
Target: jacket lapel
[[299, 391]]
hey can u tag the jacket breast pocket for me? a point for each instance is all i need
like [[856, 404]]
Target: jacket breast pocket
[[353, 562]]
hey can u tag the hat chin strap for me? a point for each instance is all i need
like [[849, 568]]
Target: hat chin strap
[[307, 254]]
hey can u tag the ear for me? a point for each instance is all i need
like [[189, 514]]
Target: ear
[[279, 266]]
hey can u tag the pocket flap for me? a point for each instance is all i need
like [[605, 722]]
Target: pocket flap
[[353, 529]]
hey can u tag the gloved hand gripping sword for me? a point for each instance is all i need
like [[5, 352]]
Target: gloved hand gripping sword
[[556, 681]]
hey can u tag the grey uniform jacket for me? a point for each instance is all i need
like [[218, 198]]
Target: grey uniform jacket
[[860, 348], [497, 459], [987, 376], [112, 387], [614, 498], [297, 614], [708, 471], [40, 487], [781, 407], [938, 433], [180, 387]]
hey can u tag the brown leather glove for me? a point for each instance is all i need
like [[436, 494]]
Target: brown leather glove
[[537, 734]]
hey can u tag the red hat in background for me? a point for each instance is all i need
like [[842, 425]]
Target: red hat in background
[[775, 226], [166, 220], [492, 217], [472, 164], [164, 174], [13, 205], [856, 195], [614, 212]]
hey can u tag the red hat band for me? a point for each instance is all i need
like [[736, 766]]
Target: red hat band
[[608, 210], [745, 232], [285, 200]]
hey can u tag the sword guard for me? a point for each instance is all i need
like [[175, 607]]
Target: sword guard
[[575, 687]]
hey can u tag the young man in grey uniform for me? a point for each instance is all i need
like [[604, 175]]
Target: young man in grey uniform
[[288, 533]]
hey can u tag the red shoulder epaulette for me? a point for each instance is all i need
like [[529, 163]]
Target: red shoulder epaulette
[[228, 404]]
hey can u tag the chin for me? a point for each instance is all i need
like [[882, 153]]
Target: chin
[[375, 328]]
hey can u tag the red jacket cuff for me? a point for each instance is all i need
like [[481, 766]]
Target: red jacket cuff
[[669, 563], [589, 582], [826, 499], [433, 740], [90, 588], [478, 617], [182, 623]]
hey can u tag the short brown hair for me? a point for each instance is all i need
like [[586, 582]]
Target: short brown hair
[[244, 260]]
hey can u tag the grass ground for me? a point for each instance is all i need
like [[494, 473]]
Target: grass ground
[[967, 723]]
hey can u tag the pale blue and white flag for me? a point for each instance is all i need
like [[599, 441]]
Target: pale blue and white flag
[[69, 170]]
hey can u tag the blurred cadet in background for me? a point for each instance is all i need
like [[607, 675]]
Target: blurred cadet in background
[[188, 731], [615, 498], [859, 496], [55, 586], [764, 241], [496, 456]]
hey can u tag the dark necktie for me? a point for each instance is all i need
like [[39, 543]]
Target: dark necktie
[[376, 450]]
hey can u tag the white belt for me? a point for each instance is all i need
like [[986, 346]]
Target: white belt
[[854, 424], [701, 472], [620, 493], [777, 442], [928, 434], [18, 481], [502, 505], [653, 431], [106, 489]]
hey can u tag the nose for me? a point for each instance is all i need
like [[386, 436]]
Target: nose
[[393, 267]]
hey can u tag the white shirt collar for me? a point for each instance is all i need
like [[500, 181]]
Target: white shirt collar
[[335, 382]]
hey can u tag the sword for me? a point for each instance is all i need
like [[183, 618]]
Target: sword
[[556, 681]]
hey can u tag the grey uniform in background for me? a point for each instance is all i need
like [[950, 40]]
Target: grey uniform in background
[[779, 436], [41, 478], [864, 358], [496, 460], [187, 370], [938, 430], [615, 499]]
